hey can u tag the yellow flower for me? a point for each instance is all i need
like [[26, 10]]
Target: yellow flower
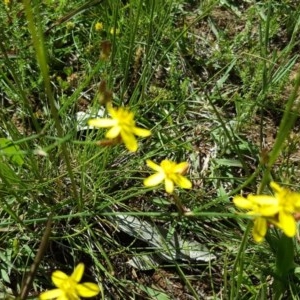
[[288, 204], [69, 288], [278, 210], [98, 26], [169, 172], [70, 25], [260, 229], [122, 125], [6, 2], [115, 31]]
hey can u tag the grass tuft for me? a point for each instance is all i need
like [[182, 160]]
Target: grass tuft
[[216, 82]]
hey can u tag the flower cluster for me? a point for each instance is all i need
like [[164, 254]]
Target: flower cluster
[[99, 26], [69, 288], [278, 210], [123, 128]]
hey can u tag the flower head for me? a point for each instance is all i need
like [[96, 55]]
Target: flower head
[[69, 288], [288, 205], [278, 210], [98, 26], [70, 25], [169, 172], [122, 125], [114, 31]]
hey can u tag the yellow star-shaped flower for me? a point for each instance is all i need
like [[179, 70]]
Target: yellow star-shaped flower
[[288, 205], [278, 210], [122, 125], [69, 288], [98, 26], [169, 172]]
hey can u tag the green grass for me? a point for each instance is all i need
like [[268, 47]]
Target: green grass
[[215, 81]]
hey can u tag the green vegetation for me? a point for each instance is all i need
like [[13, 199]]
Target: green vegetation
[[216, 82]]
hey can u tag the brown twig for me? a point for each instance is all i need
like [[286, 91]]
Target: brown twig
[[40, 253]]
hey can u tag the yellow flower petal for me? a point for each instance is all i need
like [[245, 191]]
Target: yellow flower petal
[[276, 187], [141, 132], [129, 140], [181, 167], [260, 229], [58, 278], [154, 179], [153, 165], [268, 210], [78, 272], [113, 132], [87, 289], [263, 200], [169, 186], [168, 166], [242, 202], [294, 201], [287, 224], [102, 123], [52, 294], [183, 182]]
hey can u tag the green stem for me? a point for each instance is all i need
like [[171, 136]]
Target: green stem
[[238, 264], [39, 45], [17, 87], [178, 204], [284, 265], [287, 122], [289, 116], [133, 34]]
